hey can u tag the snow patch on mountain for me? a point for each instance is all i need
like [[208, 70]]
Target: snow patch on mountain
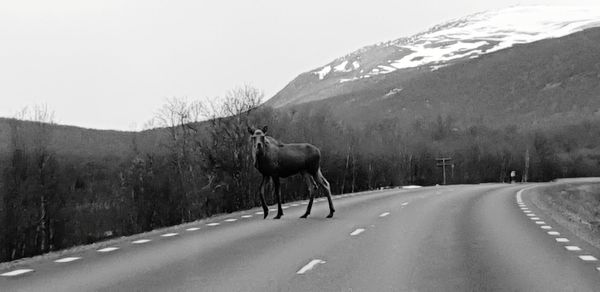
[[323, 72], [341, 67], [423, 54], [464, 38]]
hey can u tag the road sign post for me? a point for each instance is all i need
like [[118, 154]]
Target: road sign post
[[443, 162]]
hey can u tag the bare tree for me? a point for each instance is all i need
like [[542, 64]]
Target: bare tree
[[32, 180]]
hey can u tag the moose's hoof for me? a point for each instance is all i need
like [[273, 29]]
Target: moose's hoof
[[278, 216], [330, 215], [265, 215], [304, 216]]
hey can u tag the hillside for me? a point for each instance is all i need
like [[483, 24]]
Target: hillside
[[549, 82], [528, 63], [82, 142]]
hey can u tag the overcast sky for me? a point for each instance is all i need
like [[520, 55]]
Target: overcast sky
[[111, 64]]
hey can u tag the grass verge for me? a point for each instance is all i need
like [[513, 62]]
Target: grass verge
[[575, 206]]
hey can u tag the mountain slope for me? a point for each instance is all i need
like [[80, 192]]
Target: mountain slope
[[547, 83], [443, 45]]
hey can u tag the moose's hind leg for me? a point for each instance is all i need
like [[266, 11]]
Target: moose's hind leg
[[325, 184], [312, 188]]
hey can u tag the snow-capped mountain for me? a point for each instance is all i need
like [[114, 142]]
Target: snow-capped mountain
[[443, 45]]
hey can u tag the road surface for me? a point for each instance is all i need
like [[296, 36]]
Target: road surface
[[453, 238]]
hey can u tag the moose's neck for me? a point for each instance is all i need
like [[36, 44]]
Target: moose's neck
[[265, 160]]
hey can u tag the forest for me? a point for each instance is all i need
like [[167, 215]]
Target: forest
[[201, 166]]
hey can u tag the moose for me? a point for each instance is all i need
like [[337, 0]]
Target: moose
[[275, 160]]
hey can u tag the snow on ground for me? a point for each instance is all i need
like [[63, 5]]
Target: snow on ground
[[323, 72], [498, 29], [475, 35], [422, 54], [341, 67]]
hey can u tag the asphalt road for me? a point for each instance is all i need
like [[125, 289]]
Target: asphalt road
[[455, 238]]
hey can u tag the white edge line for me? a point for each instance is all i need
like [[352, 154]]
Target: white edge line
[[310, 266], [588, 258], [169, 234], [108, 249], [193, 228], [16, 272], [67, 259], [519, 195], [384, 214], [139, 241], [357, 231]]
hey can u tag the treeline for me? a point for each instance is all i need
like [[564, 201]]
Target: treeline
[[50, 201]]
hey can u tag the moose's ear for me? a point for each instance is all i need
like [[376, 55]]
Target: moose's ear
[[265, 129], [250, 130]]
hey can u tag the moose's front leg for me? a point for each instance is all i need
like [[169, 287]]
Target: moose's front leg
[[261, 190], [278, 195]]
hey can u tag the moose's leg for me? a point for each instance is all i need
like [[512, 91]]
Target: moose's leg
[[278, 195], [325, 184], [312, 187], [261, 190]]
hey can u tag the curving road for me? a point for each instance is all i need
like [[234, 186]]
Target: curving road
[[455, 238]]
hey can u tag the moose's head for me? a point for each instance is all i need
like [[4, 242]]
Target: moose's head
[[257, 138]]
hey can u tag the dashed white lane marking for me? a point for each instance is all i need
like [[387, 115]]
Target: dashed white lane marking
[[588, 258], [246, 216], [562, 239], [546, 227], [108, 249], [554, 233], [526, 211], [259, 213], [285, 207], [540, 222], [295, 205], [169, 234], [67, 259], [405, 203], [230, 220], [193, 228], [304, 203], [384, 214], [273, 210], [310, 266], [357, 231], [16, 272], [535, 218], [213, 224], [140, 241], [530, 214], [572, 248]]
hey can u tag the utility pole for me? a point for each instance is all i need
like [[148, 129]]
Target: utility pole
[[443, 162], [526, 172]]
